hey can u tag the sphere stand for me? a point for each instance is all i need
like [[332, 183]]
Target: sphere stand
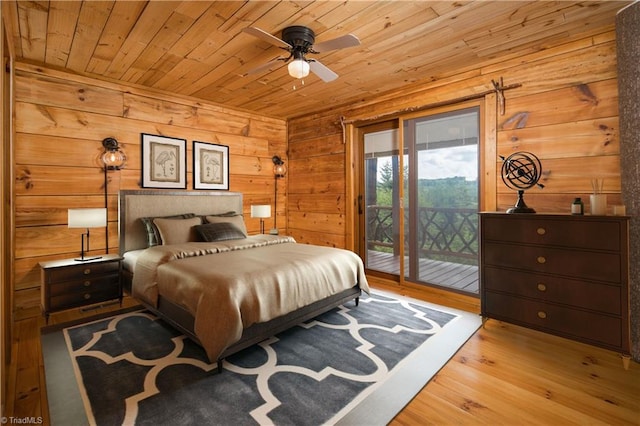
[[521, 206]]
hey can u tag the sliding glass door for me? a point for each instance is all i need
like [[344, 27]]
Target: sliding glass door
[[442, 199], [438, 184]]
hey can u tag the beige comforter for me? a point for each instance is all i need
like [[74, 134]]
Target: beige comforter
[[228, 286]]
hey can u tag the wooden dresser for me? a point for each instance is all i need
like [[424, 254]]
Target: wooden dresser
[[562, 274]]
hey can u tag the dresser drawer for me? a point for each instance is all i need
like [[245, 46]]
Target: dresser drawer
[[596, 266], [83, 286], [78, 272], [94, 295], [555, 232], [567, 322], [584, 294]]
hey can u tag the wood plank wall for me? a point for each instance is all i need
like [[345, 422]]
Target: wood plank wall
[[565, 112], [60, 122]]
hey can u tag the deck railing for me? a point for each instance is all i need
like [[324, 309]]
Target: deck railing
[[442, 233]]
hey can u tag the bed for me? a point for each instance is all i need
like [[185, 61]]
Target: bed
[[189, 260]]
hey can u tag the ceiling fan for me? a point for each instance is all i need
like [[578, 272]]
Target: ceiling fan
[[299, 41]]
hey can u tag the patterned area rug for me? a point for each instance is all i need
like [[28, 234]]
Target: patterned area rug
[[353, 365]]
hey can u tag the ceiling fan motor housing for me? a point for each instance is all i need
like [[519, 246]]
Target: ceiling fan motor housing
[[301, 38]]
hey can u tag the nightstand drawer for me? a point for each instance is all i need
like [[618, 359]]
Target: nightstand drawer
[[591, 265], [81, 298], [584, 294], [572, 323], [78, 272], [563, 233], [86, 285]]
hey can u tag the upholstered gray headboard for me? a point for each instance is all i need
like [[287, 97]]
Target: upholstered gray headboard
[[135, 204]]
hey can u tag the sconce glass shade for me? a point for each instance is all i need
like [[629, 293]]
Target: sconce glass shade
[[298, 68], [113, 158], [279, 169], [87, 218], [261, 210]]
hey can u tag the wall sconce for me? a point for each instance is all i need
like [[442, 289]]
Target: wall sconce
[[262, 211], [279, 170], [86, 218], [113, 158]]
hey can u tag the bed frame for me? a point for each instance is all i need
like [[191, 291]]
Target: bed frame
[[135, 204]]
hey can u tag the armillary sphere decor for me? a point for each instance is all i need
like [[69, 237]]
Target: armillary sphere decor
[[520, 171]]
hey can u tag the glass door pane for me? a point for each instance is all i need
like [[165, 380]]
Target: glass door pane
[[382, 228], [441, 229]]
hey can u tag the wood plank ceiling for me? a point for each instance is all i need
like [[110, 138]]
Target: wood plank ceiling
[[198, 48]]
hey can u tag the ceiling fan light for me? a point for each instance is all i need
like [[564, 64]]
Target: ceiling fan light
[[298, 68]]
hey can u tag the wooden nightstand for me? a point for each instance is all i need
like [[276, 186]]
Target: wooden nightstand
[[69, 283]]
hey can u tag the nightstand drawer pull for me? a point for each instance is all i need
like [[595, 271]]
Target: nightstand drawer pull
[[542, 314], [541, 259], [541, 231], [542, 287], [87, 296], [87, 283], [87, 271]]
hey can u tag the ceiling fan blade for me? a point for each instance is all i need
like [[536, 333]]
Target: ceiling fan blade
[[264, 66], [322, 71], [348, 40], [263, 35]]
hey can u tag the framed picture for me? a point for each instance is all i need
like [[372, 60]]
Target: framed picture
[[164, 162], [210, 166]]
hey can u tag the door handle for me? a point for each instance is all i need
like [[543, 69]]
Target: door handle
[[359, 204]]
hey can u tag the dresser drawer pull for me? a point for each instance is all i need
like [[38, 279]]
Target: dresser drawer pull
[[541, 259], [542, 314], [541, 231], [542, 287], [87, 271], [87, 283], [87, 296]]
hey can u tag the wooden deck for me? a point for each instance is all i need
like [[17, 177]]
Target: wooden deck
[[443, 274]]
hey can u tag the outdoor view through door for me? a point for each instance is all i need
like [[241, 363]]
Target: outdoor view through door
[[440, 180]]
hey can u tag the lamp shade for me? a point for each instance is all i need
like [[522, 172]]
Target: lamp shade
[[87, 218], [298, 68], [261, 210]]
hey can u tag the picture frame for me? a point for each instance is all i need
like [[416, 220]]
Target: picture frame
[[164, 162], [210, 166]]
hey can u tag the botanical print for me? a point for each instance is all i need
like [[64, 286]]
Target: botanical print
[[164, 162], [211, 166]]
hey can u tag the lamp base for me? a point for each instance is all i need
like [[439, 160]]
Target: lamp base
[[85, 259], [273, 231]]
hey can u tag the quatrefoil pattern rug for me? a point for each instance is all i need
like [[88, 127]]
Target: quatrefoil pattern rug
[[135, 369]]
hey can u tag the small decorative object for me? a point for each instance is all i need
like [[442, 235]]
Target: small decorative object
[[619, 210], [521, 171], [577, 207], [164, 162], [86, 218], [598, 199], [210, 166]]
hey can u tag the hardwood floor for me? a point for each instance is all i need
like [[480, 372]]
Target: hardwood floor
[[504, 374]]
